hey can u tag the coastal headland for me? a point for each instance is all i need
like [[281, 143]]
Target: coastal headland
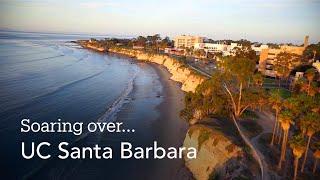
[[212, 161]]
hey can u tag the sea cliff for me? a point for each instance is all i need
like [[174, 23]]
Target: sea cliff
[[180, 72], [91, 45], [216, 153], [218, 156]]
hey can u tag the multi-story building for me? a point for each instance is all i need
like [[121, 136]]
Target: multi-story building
[[187, 41], [268, 56], [225, 49], [210, 47]]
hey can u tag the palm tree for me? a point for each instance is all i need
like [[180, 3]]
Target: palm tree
[[310, 74], [310, 125], [316, 155], [276, 102], [286, 120], [311, 89], [258, 79], [297, 144], [280, 133], [241, 94]]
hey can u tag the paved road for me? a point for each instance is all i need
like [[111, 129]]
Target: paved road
[[200, 71]]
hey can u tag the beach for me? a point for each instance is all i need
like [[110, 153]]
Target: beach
[[46, 79], [170, 127]]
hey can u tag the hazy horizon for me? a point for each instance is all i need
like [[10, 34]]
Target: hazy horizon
[[279, 21]]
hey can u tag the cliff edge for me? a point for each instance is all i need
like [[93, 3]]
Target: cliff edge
[[217, 155], [180, 72]]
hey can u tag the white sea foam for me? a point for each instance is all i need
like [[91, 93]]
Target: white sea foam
[[109, 115]]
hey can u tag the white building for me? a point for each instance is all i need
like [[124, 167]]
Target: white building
[[234, 45], [225, 49], [258, 49], [210, 47]]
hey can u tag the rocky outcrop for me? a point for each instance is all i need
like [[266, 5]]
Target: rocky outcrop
[[180, 72], [216, 154]]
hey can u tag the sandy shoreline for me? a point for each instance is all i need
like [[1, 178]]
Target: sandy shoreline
[[168, 129], [171, 129]]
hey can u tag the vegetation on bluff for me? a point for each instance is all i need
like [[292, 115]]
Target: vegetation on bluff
[[237, 88]]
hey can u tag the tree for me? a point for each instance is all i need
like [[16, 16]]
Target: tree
[[306, 103], [311, 89], [310, 124], [246, 52], [153, 41], [310, 74], [284, 63], [312, 52], [166, 42], [231, 91], [244, 43], [297, 144], [316, 156], [286, 120], [258, 79], [207, 99], [238, 73], [241, 94], [200, 53], [140, 41], [276, 101], [188, 51]]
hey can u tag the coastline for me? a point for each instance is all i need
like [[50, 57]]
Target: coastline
[[162, 124], [168, 129], [180, 72], [170, 126]]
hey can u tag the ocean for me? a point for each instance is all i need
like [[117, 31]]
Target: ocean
[[45, 77]]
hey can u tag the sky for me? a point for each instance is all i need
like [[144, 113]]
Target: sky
[[256, 20]]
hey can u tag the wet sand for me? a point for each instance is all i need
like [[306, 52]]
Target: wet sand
[[170, 128]]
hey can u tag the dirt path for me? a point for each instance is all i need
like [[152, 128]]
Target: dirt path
[[266, 121]]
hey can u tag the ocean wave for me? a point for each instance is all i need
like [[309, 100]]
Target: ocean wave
[[78, 60], [112, 110], [66, 85], [15, 55], [107, 116], [34, 60], [53, 91], [117, 104]]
